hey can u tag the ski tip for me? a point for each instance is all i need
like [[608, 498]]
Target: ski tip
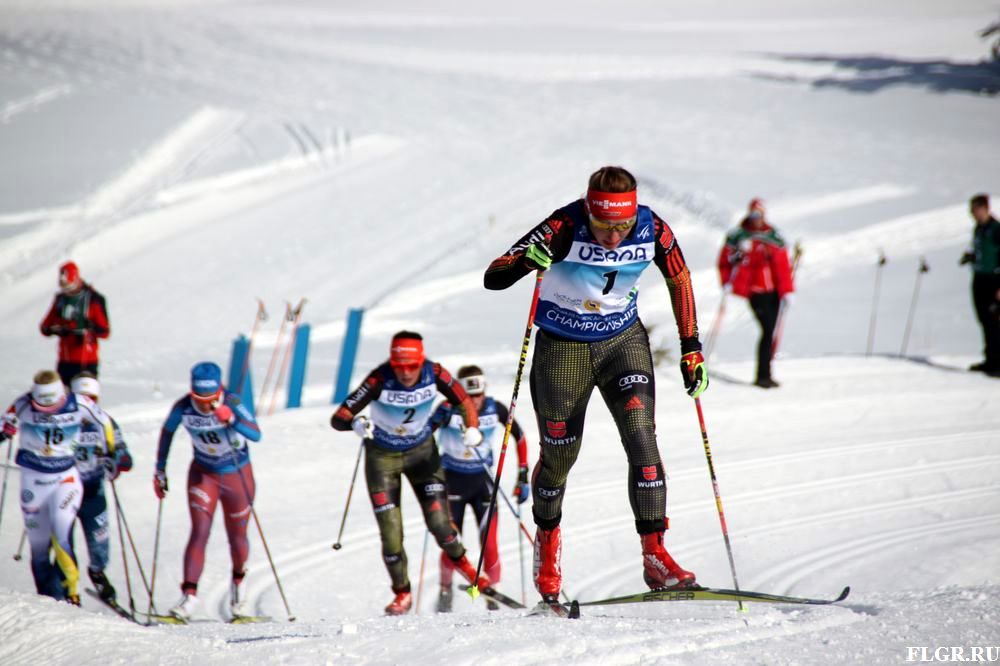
[[843, 595], [473, 591]]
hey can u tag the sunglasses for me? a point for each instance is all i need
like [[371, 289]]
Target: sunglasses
[[621, 226], [406, 367]]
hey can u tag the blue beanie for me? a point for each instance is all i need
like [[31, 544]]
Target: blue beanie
[[206, 378]]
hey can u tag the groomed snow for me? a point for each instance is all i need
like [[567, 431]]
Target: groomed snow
[[192, 157]]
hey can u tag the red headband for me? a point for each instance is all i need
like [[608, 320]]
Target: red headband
[[406, 351], [612, 206]]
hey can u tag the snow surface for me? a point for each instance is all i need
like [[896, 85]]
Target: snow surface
[[193, 156]]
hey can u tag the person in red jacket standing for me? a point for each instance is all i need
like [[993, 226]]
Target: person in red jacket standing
[[79, 317], [753, 264]]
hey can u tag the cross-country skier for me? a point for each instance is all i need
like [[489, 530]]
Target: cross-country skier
[[79, 318], [220, 428], [753, 263], [469, 483], [50, 422], [593, 251], [95, 458], [398, 441]]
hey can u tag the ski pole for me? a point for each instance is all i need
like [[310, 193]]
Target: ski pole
[[260, 530], [878, 283], [503, 495], [20, 546], [782, 308], [716, 324], [420, 580], [276, 351], [522, 533], [718, 497], [135, 551], [122, 545], [520, 559], [6, 471], [156, 554], [350, 491], [297, 312], [913, 305], [261, 316], [473, 589]]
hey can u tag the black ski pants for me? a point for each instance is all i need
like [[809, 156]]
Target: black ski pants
[[765, 308], [421, 465], [984, 297], [564, 374]]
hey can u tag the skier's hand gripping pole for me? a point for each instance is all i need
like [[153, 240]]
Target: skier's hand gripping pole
[[522, 360]]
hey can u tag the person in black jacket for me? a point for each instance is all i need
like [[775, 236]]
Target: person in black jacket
[[985, 259]]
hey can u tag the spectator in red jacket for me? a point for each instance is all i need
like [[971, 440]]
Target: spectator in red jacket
[[80, 318], [753, 264]]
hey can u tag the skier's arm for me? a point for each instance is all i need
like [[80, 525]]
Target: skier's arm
[[670, 260], [456, 395], [441, 416], [52, 324], [99, 418], [517, 433], [167, 435], [244, 423], [370, 389], [556, 231]]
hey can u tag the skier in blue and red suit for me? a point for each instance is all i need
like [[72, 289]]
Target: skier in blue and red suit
[[220, 428], [593, 251]]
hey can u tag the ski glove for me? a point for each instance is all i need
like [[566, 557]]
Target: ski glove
[[224, 414], [695, 374], [111, 470], [362, 427], [538, 256], [472, 437], [10, 427], [160, 486], [522, 491]]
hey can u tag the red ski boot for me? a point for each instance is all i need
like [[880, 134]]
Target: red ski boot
[[548, 552], [659, 569], [400, 605], [465, 567]]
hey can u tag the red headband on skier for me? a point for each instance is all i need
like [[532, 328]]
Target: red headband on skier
[[612, 211], [406, 352]]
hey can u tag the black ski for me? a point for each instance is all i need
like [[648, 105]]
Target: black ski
[[713, 594], [112, 604], [499, 597]]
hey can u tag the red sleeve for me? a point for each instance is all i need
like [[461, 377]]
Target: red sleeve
[[51, 319], [352, 406], [670, 260], [782, 271], [456, 395], [725, 264], [517, 433]]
